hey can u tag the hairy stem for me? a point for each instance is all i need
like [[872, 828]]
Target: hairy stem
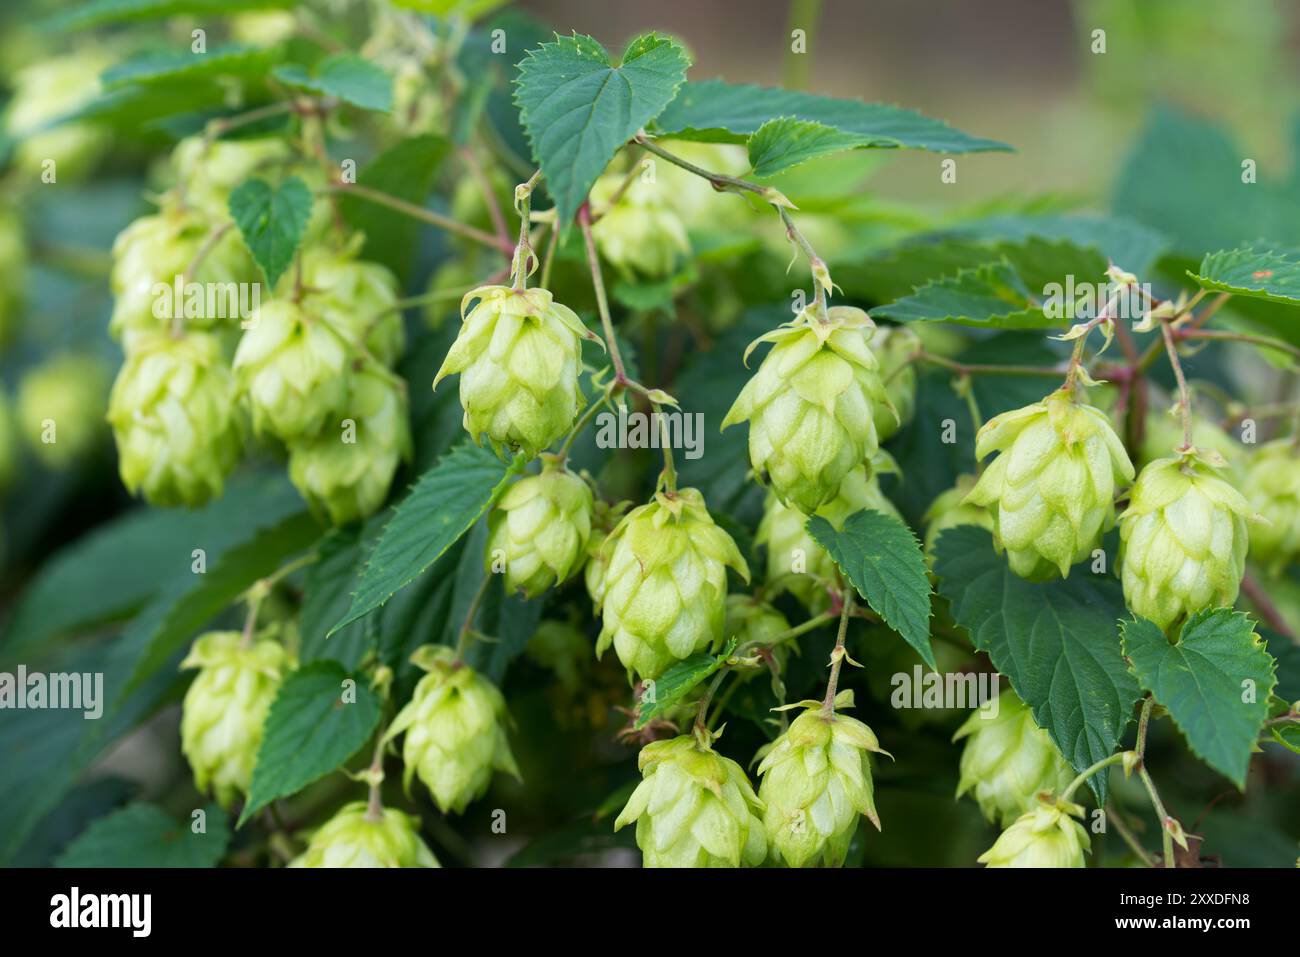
[[1184, 398], [1166, 835], [837, 657], [602, 303]]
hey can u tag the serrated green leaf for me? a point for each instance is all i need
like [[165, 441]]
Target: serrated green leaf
[[677, 682], [444, 504], [144, 835], [883, 560], [326, 598], [169, 66], [1214, 681], [992, 296], [720, 112], [310, 731], [272, 221], [1121, 240], [1258, 271], [96, 12], [1057, 643], [344, 76], [578, 109], [786, 142]]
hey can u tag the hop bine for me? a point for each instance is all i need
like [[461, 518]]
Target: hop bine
[[540, 528], [355, 838]]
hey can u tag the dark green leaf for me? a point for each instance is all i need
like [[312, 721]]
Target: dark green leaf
[[169, 66], [677, 682], [144, 835], [782, 143], [993, 296], [272, 221], [1258, 271], [344, 76], [96, 12], [326, 597]]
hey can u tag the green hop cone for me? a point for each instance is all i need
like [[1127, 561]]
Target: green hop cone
[[355, 838], [345, 472], [356, 297], [1183, 540], [665, 589], [61, 408], [605, 518], [816, 782], [812, 403], [1046, 836], [694, 808], [640, 235], [208, 169], [176, 418], [756, 626], [1007, 760], [291, 365], [895, 347], [225, 707], [43, 94], [455, 730], [1052, 489], [539, 529], [1162, 436], [950, 510], [518, 354], [1272, 484]]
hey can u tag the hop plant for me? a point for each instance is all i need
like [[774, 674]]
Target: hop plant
[[176, 419], [1272, 484], [345, 472], [1052, 490], [61, 408], [1183, 539], [1046, 836], [895, 347], [226, 705], [291, 366], [539, 529], [816, 783], [950, 510], [694, 808], [455, 730], [356, 837], [640, 234], [355, 297], [46, 92], [811, 404], [1007, 760], [665, 589], [518, 354]]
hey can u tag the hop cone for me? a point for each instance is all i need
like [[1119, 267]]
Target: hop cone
[[694, 808], [811, 405], [640, 235], [605, 518], [43, 94], [949, 510], [1052, 490], [816, 782], [355, 297], [756, 626], [1162, 436], [352, 838], [207, 169], [455, 730], [666, 586], [1007, 760], [345, 472], [221, 719], [539, 529], [895, 346], [290, 364], [518, 354], [176, 419], [1046, 836], [67, 392], [1183, 540], [1273, 485]]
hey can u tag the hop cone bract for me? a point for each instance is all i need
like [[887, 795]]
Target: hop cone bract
[[351, 838], [539, 529]]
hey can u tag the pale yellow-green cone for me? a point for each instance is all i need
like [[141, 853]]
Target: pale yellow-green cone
[[48, 89], [13, 273], [641, 235], [1183, 540], [1045, 836], [694, 808], [345, 472], [666, 585], [355, 296], [605, 518], [352, 839], [811, 405], [206, 170], [153, 251], [455, 730], [518, 354], [291, 366], [816, 783], [895, 347], [1162, 436], [1007, 760], [949, 510], [225, 707], [175, 415], [1052, 489], [61, 407], [1272, 484], [803, 567], [539, 529]]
